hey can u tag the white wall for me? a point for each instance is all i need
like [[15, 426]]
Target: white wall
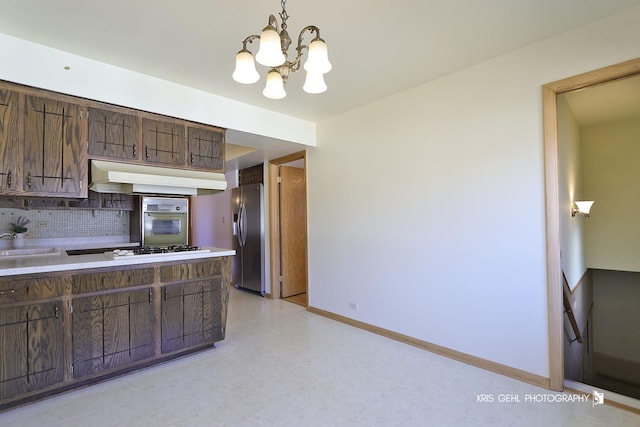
[[427, 207], [572, 238], [612, 177], [570, 189], [211, 216]]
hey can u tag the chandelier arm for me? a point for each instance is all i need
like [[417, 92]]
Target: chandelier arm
[[312, 29], [249, 39], [273, 22], [295, 64]]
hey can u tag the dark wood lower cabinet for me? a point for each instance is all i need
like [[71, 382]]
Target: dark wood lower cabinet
[[191, 314], [31, 348], [67, 330], [110, 331]]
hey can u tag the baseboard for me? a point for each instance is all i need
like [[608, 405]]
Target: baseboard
[[478, 362]]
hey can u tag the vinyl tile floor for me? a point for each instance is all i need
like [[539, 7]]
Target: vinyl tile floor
[[283, 366]]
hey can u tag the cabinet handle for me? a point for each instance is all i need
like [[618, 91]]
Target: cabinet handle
[[29, 180], [165, 294], [191, 158], [146, 151], [134, 151], [150, 296], [56, 312], [9, 179]]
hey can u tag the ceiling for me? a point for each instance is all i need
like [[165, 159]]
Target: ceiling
[[377, 48], [609, 102]]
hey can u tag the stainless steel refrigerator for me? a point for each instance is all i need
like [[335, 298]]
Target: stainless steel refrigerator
[[248, 237]]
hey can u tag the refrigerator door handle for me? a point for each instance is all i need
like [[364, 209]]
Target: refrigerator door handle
[[240, 231], [238, 228], [243, 221]]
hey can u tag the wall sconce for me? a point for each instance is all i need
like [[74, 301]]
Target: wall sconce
[[581, 207]]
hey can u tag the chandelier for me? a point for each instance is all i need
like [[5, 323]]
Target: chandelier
[[273, 53]]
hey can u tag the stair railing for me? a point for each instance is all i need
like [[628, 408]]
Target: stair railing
[[569, 310]]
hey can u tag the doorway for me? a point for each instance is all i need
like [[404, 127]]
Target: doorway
[[288, 228], [553, 208]]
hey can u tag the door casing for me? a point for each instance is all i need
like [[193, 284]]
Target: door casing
[[274, 220], [550, 92]]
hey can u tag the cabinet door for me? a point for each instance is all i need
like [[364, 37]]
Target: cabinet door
[[172, 318], [212, 311], [55, 161], [163, 142], [10, 147], [206, 149], [112, 134], [111, 330], [32, 336], [191, 315]]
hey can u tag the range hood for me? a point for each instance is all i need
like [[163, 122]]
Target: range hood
[[112, 177]]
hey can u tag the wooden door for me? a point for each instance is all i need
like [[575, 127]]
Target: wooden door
[[163, 142], [33, 337], [10, 147], [293, 231], [112, 134], [55, 160], [206, 149]]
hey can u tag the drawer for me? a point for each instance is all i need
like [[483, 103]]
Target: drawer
[[190, 270], [109, 280], [32, 289]]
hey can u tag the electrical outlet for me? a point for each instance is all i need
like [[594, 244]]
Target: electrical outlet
[[354, 306], [43, 223]]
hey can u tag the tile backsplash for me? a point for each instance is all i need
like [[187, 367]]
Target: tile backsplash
[[68, 223]]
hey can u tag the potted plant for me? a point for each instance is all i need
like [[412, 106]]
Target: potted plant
[[19, 228]]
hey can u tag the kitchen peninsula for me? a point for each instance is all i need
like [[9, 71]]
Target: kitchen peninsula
[[70, 321]]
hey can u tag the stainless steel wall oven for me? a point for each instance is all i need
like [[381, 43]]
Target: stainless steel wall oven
[[164, 221]]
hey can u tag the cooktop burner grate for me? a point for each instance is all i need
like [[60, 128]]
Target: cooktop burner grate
[[147, 250]]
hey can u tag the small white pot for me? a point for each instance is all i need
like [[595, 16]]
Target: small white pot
[[18, 240]]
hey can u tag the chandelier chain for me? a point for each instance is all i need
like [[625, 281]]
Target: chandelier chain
[[284, 15]]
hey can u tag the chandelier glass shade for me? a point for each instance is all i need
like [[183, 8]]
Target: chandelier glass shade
[[273, 53], [274, 88]]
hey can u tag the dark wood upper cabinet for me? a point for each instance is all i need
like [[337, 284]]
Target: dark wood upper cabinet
[[205, 148], [10, 147], [163, 142], [47, 138], [55, 160], [112, 135]]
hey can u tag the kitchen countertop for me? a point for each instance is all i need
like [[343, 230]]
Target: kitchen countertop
[[64, 262]]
